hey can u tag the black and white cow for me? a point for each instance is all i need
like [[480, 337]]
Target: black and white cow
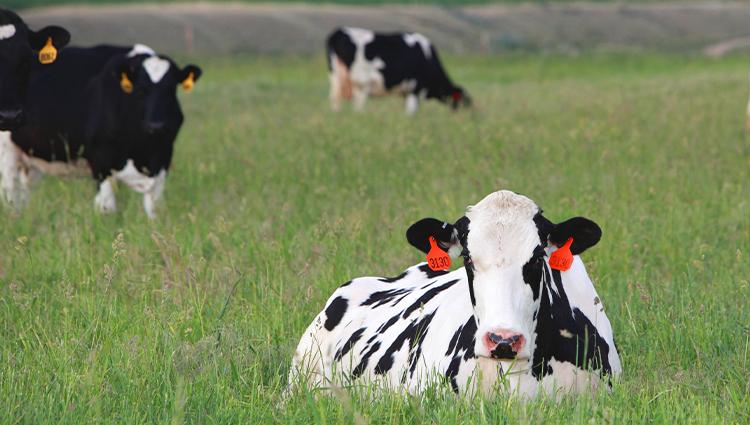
[[111, 111], [363, 63], [19, 48], [504, 320]]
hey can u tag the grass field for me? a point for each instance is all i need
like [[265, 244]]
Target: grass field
[[274, 201]]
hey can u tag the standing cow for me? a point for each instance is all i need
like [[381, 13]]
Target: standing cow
[[507, 319], [111, 110], [19, 47], [363, 63]]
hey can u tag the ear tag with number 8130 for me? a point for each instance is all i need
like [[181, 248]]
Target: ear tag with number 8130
[[437, 259], [562, 259]]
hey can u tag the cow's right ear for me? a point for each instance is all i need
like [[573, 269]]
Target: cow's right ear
[[445, 234], [58, 36], [189, 75]]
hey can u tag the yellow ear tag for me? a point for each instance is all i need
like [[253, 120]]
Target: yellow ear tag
[[188, 83], [48, 54], [125, 83]]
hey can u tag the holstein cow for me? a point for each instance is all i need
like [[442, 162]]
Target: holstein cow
[[507, 319], [363, 63], [111, 110], [19, 47]]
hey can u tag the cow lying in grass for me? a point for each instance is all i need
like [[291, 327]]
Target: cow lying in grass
[[109, 111], [363, 63], [506, 319]]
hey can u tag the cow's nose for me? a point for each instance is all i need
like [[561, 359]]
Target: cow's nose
[[11, 116], [504, 344]]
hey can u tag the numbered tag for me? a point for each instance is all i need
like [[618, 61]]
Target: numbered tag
[[48, 54], [437, 259], [562, 259], [125, 84]]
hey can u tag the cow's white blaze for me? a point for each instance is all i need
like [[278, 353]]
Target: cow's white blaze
[[156, 68], [502, 238], [141, 49], [417, 38], [7, 31]]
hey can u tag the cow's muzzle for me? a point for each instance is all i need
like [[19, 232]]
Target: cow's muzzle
[[504, 344], [10, 119]]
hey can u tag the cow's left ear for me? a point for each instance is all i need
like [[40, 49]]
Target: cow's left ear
[[445, 234], [585, 234], [59, 37], [188, 76]]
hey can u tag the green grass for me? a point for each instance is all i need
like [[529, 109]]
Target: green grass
[[118, 319]]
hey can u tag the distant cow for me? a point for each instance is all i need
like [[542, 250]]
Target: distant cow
[[19, 47], [363, 63], [111, 110], [507, 319]]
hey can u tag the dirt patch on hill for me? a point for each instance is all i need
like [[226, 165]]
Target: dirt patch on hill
[[209, 28]]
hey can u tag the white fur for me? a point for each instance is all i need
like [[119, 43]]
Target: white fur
[[412, 104], [105, 201], [141, 49], [7, 31], [150, 187], [9, 170], [156, 68], [417, 38], [502, 236]]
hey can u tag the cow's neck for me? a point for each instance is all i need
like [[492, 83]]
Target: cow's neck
[[563, 333]]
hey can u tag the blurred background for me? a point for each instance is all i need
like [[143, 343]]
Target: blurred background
[[456, 26]]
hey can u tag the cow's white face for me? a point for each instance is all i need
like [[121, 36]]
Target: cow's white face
[[502, 239]]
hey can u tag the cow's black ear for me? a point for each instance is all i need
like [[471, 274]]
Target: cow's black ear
[[445, 235], [189, 75], [60, 37], [585, 234]]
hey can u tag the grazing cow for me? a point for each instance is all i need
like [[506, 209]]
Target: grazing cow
[[111, 110], [363, 63], [507, 319], [18, 47]]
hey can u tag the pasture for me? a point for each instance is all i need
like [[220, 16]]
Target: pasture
[[273, 201]]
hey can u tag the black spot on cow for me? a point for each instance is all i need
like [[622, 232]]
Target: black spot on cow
[[414, 333], [376, 299], [362, 366], [429, 273], [335, 312], [394, 279], [460, 348], [426, 297], [341, 352]]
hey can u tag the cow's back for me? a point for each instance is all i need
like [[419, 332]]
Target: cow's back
[[60, 107]]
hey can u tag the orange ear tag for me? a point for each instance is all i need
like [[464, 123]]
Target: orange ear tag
[[188, 83], [437, 259], [125, 84], [48, 54], [562, 259]]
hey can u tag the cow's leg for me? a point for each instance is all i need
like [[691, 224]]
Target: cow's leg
[[335, 93], [412, 103], [105, 201], [152, 196], [359, 94], [28, 175], [10, 164]]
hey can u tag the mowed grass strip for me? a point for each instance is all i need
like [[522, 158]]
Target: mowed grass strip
[[274, 201]]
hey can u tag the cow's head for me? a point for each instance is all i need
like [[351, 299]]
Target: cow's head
[[148, 85], [458, 98], [504, 241], [19, 47]]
